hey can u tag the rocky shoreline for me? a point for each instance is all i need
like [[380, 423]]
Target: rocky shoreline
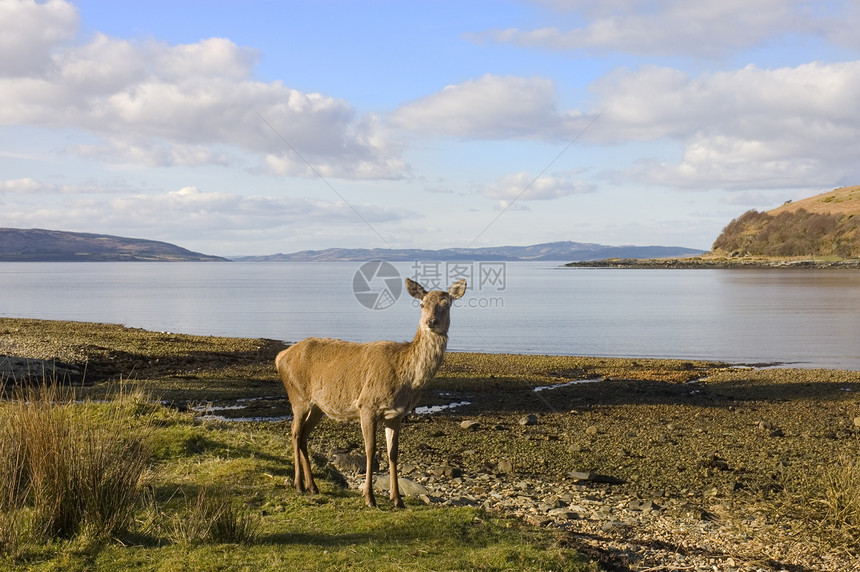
[[624, 528], [622, 532], [716, 263]]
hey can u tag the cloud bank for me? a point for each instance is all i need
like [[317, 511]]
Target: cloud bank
[[156, 104]]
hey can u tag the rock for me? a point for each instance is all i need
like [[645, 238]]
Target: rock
[[616, 526], [645, 506], [715, 462], [505, 466], [554, 502], [538, 520], [594, 477], [563, 514], [470, 425], [592, 430], [408, 487], [445, 470], [427, 499], [857, 421], [529, 420], [352, 463]]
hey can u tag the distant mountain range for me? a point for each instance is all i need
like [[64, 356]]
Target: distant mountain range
[[37, 245], [556, 251]]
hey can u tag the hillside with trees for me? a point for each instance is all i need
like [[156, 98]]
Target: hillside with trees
[[826, 226]]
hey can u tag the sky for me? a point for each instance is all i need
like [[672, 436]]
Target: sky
[[253, 127]]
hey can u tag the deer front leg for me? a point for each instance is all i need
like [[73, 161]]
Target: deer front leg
[[296, 432], [311, 420], [368, 430], [392, 438]]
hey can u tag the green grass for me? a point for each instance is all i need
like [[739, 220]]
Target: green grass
[[214, 496]]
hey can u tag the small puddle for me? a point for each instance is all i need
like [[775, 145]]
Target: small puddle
[[210, 412], [424, 410], [569, 383], [210, 417]]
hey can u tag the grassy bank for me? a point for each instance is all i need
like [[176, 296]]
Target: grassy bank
[[755, 467]]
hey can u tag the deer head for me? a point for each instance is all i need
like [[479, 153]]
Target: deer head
[[436, 305]]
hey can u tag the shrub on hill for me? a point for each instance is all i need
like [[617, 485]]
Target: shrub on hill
[[798, 233]]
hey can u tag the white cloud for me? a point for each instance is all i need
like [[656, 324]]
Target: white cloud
[[23, 186], [513, 189], [30, 30], [186, 211], [668, 27], [157, 104], [749, 128], [491, 107], [29, 187]]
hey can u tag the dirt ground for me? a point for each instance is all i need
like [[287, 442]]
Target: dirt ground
[[732, 463]]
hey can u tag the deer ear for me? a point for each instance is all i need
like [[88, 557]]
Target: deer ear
[[457, 289], [415, 289]]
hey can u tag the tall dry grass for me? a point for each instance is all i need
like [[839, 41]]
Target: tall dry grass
[[212, 516], [824, 502], [67, 468], [839, 498]]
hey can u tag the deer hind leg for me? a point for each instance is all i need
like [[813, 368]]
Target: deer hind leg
[[304, 422], [392, 438], [368, 430]]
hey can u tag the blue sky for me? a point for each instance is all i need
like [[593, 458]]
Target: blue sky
[[256, 127]]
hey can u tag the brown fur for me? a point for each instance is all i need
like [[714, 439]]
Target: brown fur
[[373, 382]]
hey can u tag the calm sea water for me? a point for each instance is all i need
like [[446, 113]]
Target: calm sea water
[[811, 318]]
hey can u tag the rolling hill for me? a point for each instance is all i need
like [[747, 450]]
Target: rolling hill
[[38, 245], [825, 226]]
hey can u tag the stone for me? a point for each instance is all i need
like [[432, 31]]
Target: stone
[[594, 477], [505, 466], [470, 425], [538, 520], [592, 430], [616, 526], [645, 506], [563, 514], [352, 463], [408, 487], [445, 470], [529, 420]]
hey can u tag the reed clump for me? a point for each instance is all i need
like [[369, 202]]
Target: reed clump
[[834, 497], [67, 468]]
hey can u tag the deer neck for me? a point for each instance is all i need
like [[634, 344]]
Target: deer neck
[[425, 355]]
